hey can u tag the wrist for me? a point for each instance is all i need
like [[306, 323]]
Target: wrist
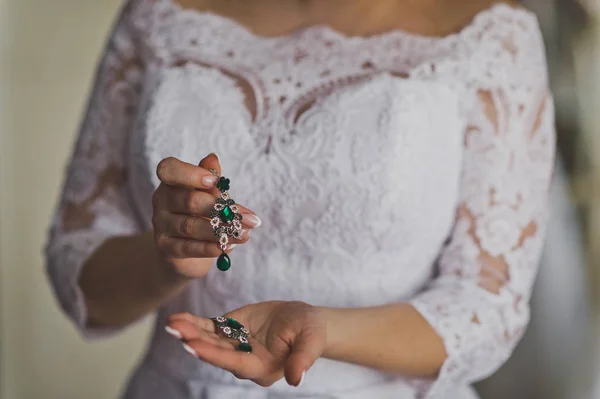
[[333, 324]]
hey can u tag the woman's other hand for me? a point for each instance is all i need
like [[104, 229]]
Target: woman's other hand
[[286, 338], [181, 206]]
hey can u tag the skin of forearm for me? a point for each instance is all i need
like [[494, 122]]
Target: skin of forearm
[[392, 338], [125, 279]]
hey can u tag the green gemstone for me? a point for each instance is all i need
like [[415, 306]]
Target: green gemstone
[[223, 184], [245, 347], [233, 323], [223, 262], [227, 215]]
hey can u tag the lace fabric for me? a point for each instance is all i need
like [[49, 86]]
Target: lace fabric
[[94, 205], [462, 126]]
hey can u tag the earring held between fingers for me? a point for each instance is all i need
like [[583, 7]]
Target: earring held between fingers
[[225, 221]]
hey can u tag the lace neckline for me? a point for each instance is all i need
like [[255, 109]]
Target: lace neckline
[[327, 31]]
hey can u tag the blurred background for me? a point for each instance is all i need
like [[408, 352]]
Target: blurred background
[[48, 51]]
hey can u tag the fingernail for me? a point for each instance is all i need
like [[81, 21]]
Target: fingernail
[[301, 379], [245, 234], [252, 219], [209, 181], [190, 350], [231, 246], [173, 332], [216, 156]]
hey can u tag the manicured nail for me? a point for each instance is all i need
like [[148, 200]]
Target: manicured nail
[[301, 379], [216, 156], [209, 181], [245, 234], [173, 332], [190, 350], [231, 246], [252, 220]]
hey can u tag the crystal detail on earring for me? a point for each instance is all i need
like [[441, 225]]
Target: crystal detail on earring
[[223, 240], [225, 221]]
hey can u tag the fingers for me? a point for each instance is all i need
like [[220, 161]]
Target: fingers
[[184, 200], [174, 172], [198, 322], [211, 161], [182, 226], [193, 202], [241, 364], [182, 248], [306, 349], [199, 338], [189, 330]]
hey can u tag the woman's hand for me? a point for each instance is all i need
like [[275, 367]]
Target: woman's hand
[[182, 231], [286, 338]]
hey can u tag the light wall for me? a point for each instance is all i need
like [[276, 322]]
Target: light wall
[[48, 51]]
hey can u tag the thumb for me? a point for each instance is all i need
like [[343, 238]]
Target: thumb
[[211, 161], [306, 349]]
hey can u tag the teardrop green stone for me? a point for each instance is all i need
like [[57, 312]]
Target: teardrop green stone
[[227, 214], [245, 347], [223, 262], [233, 323]]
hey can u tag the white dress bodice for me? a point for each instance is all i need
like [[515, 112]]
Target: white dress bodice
[[384, 169]]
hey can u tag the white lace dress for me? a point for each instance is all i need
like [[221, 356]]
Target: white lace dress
[[389, 168]]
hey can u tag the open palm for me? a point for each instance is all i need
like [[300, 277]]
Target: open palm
[[286, 338]]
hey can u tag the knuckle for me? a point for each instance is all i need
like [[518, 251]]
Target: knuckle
[[187, 247], [162, 244], [187, 226], [189, 200], [191, 178], [162, 169]]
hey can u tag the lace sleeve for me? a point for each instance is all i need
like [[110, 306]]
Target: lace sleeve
[[94, 204], [479, 302]]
